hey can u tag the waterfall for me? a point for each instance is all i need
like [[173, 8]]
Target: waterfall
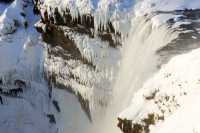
[[139, 62]]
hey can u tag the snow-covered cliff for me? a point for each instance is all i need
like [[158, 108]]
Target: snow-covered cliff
[[85, 38]]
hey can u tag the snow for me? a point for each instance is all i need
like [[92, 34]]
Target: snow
[[179, 79], [22, 57], [12, 17], [73, 119], [25, 113]]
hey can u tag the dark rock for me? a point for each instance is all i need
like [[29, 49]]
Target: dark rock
[[56, 105], [6, 1], [15, 92], [51, 118], [1, 100], [23, 14], [128, 126], [26, 24]]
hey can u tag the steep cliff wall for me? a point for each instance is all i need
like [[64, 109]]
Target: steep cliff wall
[[83, 47]]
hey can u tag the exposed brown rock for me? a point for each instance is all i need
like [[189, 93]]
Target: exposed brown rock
[[152, 95], [128, 126]]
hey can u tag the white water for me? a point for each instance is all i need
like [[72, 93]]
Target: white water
[[139, 62]]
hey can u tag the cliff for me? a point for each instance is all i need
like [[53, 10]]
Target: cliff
[[99, 66], [83, 48]]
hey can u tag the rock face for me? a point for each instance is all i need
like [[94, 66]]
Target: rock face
[[80, 58]]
